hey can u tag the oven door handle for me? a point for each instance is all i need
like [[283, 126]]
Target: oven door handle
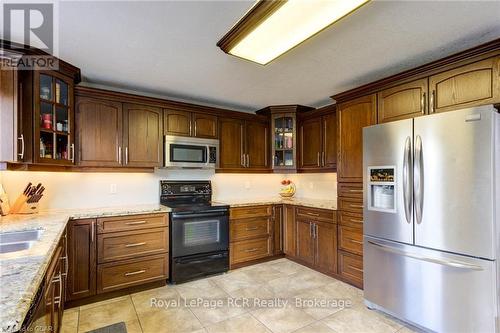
[[198, 260], [200, 214]]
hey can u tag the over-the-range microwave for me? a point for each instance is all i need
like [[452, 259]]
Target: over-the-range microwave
[[186, 152]]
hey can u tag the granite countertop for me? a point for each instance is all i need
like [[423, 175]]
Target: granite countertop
[[306, 202], [22, 272]]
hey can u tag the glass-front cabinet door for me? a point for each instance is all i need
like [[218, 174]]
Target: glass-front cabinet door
[[53, 124], [284, 141]]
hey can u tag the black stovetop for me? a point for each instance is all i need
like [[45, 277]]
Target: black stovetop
[[185, 196]]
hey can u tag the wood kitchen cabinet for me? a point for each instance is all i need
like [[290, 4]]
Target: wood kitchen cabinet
[[352, 117], [326, 246], [278, 229], [243, 145], [99, 132], [115, 134], [82, 259], [305, 241], [186, 123], [403, 101], [142, 136], [289, 230], [318, 142], [466, 86]]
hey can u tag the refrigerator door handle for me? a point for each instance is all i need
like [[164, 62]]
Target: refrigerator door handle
[[443, 262], [406, 180], [418, 181]]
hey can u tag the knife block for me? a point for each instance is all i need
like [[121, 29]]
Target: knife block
[[29, 208]]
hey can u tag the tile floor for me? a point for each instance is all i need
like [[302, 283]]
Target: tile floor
[[216, 304]]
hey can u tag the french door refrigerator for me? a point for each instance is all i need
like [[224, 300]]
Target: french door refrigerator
[[432, 220]]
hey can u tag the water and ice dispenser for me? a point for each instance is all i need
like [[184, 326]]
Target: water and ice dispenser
[[382, 188]]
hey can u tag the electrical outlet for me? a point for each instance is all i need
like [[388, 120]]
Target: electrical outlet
[[247, 185], [112, 189]]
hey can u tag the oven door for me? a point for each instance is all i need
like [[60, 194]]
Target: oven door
[[199, 232]]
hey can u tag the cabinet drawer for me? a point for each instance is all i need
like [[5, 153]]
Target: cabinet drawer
[[315, 214], [351, 268], [351, 205], [131, 222], [130, 244], [250, 249], [353, 219], [350, 190], [126, 273], [251, 211], [351, 239], [249, 228]]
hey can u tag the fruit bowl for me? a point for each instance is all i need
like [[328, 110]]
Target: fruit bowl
[[288, 189]]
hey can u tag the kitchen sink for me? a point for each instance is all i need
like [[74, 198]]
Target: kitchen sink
[[18, 240], [14, 247], [20, 236]]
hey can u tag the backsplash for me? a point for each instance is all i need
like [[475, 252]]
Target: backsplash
[[81, 190]]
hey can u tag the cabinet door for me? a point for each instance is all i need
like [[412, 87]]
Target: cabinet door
[[311, 143], [329, 154], [278, 229], [99, 127], [231, 143], [12, 145], [256, 145], [142, 137], [289, 228], [404, 101], [177, 122], [81, 259], [466, 86], [305, 245], [326, 246], [205, 126], [353, 116]]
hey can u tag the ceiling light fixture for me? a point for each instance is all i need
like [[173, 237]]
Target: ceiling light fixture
[[272, 27]]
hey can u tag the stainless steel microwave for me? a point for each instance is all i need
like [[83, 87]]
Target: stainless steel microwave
[[186, 152]]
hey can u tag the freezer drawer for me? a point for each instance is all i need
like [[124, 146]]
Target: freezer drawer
[[438, 291]]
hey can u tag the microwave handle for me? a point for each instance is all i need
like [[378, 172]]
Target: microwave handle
[[208, 155]]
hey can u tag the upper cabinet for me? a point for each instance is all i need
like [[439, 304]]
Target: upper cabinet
[[114, 134], [470, 85], [243, 145], [142, 136], [318, 141], [99, 132], [404, 101], [186, 123], [352, 117]]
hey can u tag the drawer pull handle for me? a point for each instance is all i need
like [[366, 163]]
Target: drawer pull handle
[[355, 191], [136, 222], [312, 214], [357, 221], [356, 269], [135, 244], [251, 229], [253, 250], [355, 206], [136, 272]]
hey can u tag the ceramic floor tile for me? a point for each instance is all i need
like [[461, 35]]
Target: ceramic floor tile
[[68, 329], [235, 280], [205, 288], [283, 320], [133, 326], [341, 290], [107, 301], [152, 299], [360, 321], [70, 318], [294, 284], [178, 320], [245, 323], [317, 303], [251, 296], [263, 274], [286, 267], [106, 314], [211, 315], [316, 327]]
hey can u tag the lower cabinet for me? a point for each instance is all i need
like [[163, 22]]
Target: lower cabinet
[[251, 233], [317, 239], [112, 253], [289, 231], [351, 268]]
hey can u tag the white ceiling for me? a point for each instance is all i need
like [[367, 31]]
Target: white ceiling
[[168, 48]]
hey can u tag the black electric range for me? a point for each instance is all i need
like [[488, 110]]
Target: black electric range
[[199, 230]]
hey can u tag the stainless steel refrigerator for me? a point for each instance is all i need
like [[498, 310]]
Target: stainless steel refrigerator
[[432, 220]]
